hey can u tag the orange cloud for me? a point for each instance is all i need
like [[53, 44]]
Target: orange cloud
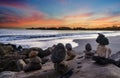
[[34, 20], [38, 23]]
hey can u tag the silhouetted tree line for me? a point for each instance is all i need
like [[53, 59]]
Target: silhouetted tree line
[[77, 28]]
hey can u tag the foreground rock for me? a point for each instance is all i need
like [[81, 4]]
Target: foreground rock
[[83, 69]]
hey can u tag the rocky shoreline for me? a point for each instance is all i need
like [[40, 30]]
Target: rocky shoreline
[[10, 54], [82, 67]]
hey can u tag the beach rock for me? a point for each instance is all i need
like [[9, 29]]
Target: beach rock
[[6, 49], [47, 52], [25, 52], [58, 54], [41, 53]]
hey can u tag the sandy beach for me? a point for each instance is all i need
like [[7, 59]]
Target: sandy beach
[[114, 44]]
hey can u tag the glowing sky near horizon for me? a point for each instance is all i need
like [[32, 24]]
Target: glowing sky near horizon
[[56, 13]]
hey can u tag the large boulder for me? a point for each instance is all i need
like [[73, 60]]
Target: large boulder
[[6, 49]]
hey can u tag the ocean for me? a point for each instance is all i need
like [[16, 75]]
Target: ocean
[[46, 38]]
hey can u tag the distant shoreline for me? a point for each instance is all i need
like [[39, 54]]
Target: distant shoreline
[[113, 28], [77, 28]]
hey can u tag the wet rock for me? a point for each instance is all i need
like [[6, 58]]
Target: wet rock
[[41, 53], [5, 49], [58, 54]]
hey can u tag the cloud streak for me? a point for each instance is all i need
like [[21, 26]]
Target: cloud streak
[[31, 17], [84, 15], [107, 18], [20, 4]]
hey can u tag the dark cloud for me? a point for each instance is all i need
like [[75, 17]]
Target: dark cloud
[[8, 15], [13, 1]]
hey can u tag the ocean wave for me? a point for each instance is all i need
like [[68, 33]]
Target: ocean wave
[[21, 37], [15, 36], [46, 38]]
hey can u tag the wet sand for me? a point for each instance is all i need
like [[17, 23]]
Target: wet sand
[[114, 44]]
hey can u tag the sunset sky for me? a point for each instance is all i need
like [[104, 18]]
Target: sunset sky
[[57, 13]]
